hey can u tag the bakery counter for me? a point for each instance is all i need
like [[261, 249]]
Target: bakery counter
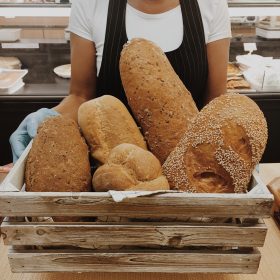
[[40, 57], [270, 105], [42, 87], [265, 47], [39, 91], [14, 108]]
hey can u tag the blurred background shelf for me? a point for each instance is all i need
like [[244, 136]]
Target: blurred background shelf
[[236, 8]]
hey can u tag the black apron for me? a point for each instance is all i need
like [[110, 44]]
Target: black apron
[[189, 60]]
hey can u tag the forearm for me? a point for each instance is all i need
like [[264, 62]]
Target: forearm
[[215, 89], [83, 77], [218, 56], [70, 105]]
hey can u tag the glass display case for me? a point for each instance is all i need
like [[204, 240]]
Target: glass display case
[[44, 44], [258, 22]]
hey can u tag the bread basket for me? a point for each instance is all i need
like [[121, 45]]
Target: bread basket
[[161, 235]]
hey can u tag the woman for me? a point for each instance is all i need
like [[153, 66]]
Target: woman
[[194, 34]]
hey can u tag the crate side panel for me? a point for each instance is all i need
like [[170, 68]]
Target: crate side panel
[[143, 261], [170, 205], [134, 234]]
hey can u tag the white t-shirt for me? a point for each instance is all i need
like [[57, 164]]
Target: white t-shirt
[[89, 19]]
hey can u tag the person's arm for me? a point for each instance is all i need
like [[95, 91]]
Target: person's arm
[[218, 56], [83, 76]]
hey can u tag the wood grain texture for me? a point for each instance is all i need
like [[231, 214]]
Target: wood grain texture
[[135, 261], [169, 205], [269, 268], [139, 234]]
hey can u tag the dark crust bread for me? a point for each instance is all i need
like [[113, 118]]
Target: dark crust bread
[[59, 159], [159, 100]]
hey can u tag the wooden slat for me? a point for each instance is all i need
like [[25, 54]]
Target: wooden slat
[[135, 261], [163, 205], [133, 234]]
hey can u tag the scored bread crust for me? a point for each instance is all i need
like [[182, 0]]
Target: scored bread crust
[[105, 123], [158, 98], [59, 159], [130, 167], [222, 146]]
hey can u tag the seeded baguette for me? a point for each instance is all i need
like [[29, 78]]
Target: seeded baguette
[[221, 148], [159, 100]]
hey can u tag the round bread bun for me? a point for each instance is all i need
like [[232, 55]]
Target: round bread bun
[[130, 167]]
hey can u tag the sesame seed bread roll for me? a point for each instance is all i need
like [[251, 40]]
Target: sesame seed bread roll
[[130, 167], [158, 99], [105, 123], [221, 148]]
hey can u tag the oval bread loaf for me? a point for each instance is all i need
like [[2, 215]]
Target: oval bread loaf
[[221, 148], [105, 123], [59, 159], [130, 167], [159, 100]]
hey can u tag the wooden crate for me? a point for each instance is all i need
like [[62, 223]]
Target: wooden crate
[[156, 236]]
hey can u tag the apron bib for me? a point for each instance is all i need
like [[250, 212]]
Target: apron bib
[[189, 60]]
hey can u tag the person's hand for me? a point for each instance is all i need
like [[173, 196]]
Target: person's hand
[[27, 130], [6, 168]]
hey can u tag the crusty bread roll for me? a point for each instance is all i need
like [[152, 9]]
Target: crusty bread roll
[[58, 160], [130, 167], [221, 148], [159, 100], [106, 123]]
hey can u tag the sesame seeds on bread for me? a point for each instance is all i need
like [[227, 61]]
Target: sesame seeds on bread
[[220, 149]]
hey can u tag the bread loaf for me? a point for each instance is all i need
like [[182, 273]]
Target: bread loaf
[[58, 160], [159, 100], [106, 123], [220, 149], [130, 167]]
